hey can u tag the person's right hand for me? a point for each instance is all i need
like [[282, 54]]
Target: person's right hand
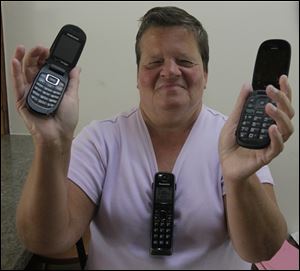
[[61, 126]]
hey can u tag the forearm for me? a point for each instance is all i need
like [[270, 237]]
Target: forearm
[[256, 225], [42, 214]]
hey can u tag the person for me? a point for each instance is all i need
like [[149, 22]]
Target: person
[[225, 215]]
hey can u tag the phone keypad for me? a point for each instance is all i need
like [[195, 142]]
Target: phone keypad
[[255, 122], [162, 229], [47, 90]]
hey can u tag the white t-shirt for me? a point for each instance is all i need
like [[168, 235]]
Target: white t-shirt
[[114, 163]]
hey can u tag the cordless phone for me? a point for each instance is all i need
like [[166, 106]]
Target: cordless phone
[[163, 214], [50, 83], [272, 61]]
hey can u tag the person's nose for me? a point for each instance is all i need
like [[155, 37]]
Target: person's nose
[[170, 70]]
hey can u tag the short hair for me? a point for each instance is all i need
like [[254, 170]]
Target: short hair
[[173, 16]]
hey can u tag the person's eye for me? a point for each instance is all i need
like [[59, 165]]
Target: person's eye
[[154, 64], [185, 63]]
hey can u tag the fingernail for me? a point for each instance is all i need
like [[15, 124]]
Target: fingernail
[[275, 90], [273, 107], [247, 86]]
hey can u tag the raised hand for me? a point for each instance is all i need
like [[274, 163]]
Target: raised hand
[[24, 68], [239, 163]]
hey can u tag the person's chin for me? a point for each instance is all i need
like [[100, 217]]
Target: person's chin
[[172, 106]]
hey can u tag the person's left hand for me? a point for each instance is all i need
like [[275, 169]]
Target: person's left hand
[[239, 163]]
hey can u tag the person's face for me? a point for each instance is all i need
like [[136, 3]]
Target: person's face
[[171, 78]]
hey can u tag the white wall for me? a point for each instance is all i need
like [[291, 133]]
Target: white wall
[[108, 78]]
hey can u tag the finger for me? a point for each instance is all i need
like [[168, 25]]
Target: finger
[[20, 53], [238, 108], [74, 82], [285, 86], [281, 99], [33, 56], [283, 122], [276, 146], [33, 61], [16, 72], [44, 55]]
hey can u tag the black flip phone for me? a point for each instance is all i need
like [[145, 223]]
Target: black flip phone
[[272, 61], [163, 214], [50, 83]]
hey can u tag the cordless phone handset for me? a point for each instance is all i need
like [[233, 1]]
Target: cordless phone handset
[[163, 214], [50, 83]]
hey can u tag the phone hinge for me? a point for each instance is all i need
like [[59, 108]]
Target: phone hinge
[[57, 69], [260, 92]]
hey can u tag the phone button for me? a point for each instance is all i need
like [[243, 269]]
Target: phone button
[[52, 79]]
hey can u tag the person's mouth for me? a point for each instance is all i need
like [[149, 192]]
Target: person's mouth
[[170, 86]]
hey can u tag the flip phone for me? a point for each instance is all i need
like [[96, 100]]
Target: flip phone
[[163, 214], [272, 61], [50, 83]]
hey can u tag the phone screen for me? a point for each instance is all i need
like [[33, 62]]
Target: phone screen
[[67, 49], [271, 63], [164, 194]]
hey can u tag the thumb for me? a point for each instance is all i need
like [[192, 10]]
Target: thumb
[[74, 81], [238, 108]]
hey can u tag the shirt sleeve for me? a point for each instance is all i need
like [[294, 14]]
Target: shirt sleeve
[[87, 167]]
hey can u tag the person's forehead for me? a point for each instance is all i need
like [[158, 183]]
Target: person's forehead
[[168, 38]]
